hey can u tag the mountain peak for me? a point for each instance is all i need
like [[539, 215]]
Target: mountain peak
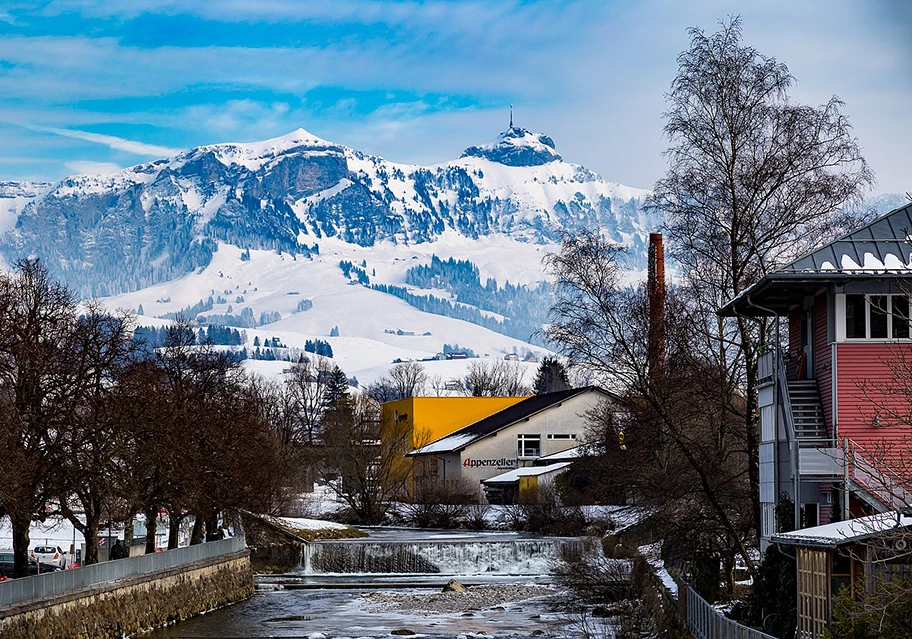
[[517, 147]]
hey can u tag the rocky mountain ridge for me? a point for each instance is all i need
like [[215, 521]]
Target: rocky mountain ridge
[[107, 234]]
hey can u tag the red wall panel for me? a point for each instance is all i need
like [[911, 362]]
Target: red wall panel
[[874, 380]]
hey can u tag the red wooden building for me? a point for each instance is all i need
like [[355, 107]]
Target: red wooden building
[[835, 414]]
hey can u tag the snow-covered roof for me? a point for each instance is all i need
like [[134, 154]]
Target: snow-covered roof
[[845, 532], [884, 245], [446, 444], [530, 471], [880, 250], [571, 453]]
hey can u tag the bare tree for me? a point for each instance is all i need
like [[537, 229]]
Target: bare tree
[[37, 317], [88, 461], [437, 385], [368, 454], [673, 446], [495, 378], [754, 180], [306, 382], [409, 379]]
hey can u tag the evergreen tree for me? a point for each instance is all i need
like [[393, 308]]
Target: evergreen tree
[[336, 388], [139, 310], [550, 377], [771, 603], [334, 331]]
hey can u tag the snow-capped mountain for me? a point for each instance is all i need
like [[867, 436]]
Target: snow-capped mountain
[[107, 234]]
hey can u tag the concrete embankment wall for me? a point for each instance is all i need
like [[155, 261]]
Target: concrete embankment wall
[[132, 605]]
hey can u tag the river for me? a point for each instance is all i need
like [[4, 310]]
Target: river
[[391, 581]]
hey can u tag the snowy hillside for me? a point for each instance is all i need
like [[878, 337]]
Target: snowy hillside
[[108, 234], [368, 321]]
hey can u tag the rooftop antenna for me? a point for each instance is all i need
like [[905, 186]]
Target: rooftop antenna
[[511, 116]]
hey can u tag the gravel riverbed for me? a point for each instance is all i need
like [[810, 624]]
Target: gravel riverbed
[[475, 598]]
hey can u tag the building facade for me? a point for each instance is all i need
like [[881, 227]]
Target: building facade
[[513, 438], [834, 427]]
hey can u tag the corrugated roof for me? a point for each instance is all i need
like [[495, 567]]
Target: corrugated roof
[[884, 245], [879, 250], [498, 421]]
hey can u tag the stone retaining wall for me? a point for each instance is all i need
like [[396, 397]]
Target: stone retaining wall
[[133, 605]]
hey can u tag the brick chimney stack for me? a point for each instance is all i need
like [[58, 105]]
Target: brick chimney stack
[[655, 286]]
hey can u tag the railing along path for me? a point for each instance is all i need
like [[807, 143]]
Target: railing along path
[[15, 591], [705, 622]]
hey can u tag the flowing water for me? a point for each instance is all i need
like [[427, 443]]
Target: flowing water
[[330, 595], [484, 556]]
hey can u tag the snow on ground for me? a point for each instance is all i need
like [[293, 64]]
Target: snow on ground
[[653, 555], [301, 523], [270, 282]]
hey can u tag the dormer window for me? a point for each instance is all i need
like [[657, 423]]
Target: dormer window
[[876, 317]]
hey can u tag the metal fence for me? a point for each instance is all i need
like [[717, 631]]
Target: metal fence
[[705, 622], [16, 591]]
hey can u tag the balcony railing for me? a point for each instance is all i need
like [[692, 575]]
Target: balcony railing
[[877, 479]]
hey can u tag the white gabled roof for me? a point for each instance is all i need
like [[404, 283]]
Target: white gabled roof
[[530, 471], [845, 532], [571, 453]]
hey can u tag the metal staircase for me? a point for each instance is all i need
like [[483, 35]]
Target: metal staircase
[[807, 413]]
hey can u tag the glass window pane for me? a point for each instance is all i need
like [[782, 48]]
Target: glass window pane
[[878, 316], [900, 316], [855, 316]]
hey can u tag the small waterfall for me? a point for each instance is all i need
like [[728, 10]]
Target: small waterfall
[[513, 557]]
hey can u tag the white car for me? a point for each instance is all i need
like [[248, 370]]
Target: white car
[[50, 555]]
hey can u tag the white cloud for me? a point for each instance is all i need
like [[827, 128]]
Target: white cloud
[[88, 167], [113, 142]]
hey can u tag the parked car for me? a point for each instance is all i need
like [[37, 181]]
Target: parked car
[[6, 563], [50, 555]]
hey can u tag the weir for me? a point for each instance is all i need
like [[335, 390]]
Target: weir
[[465, 557]]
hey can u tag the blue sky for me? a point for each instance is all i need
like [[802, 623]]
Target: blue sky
[[90, 85]]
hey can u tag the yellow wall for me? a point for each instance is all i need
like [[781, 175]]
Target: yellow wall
[[431, 418], [528, 487]]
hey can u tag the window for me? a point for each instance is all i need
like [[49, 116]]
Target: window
[[879, 316], [562, 436], [856, 317], [768, 520], [876, 317], [810, 515], [529, 445], [900, 314]]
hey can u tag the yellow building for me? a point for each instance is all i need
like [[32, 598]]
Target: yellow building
[[430, 418], [427, 419]]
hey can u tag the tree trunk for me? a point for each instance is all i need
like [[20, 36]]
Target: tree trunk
[[151, 514], [90, 534], [174, 522], [212, 526], [20, 527], [196, 535], [128, 534]]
